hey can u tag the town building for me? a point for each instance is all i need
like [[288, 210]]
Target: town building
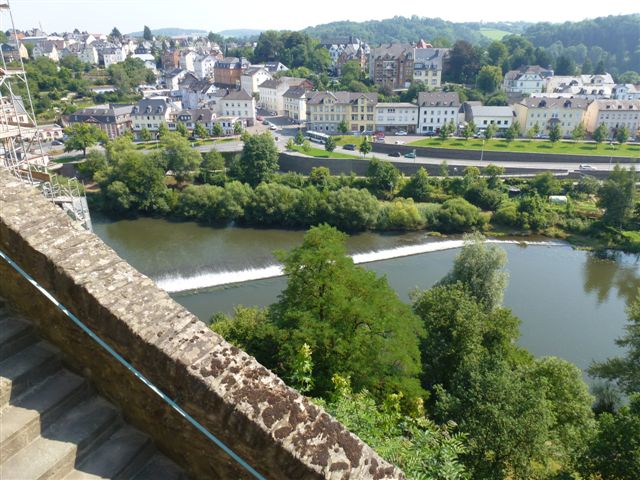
[[46, 49], [272, 91], [394, 117], [391, 66], [239, 103], [428, 64], [113, 119], [170, 59], [295, 103], [228, 71], [196, 93], [614, 114], [187, 60], [567, 113], [13, 54], [252, 77], [526, 80], [326, 110], [482, 116], [438, 109], [626, 91], [204, 66], [563, 83], [344, 49], [150, 113], [190, 118]]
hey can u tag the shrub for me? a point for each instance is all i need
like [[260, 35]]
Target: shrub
[[458, 215]]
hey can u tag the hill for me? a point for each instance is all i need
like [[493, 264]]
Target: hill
[[240, 33]]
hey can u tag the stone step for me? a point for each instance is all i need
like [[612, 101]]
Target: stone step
[[120, 457], [160, 467], [25, 369], [65, 444], [37, 409], [15, 335]]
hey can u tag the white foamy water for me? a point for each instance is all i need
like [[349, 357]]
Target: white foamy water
[[180, 283]]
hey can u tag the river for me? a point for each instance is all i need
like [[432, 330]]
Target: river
[[572, 303]]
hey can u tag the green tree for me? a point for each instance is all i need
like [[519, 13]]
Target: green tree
[[290, 145], [490, 131], [182, 129], [614, 452], [217, 130], [383, 177], [617, 195], [180, 157], [624, 371], [200, 130], [468, 130], [81, 136], [418, 186], [306, 146], [145, 134], [546, 184], [365, 146], [600, 134], [554, 132], [533, 131], [259, 159], [497, 52], [512, 132], [299, 138], [237, 128], [343, 128], [115, 34], [489, 78], [146, 34], [330, 144], [353, 321], [458, 215], [480, 268], [622, 134], [579, 132], [493, 172], [163, 130]]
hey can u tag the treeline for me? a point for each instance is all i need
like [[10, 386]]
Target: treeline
[[249, 191], [294, 49], [438, 387]]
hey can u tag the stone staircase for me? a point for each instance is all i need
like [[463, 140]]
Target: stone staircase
[[53, 426]]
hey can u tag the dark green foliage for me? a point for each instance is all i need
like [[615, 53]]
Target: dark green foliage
[[400, 214], [383, 177], [600, 134], [546, 184], [294, 49], [554, 132], [179, 157], [614, 452], [273, 204], [82, 136], [533, 213], [458, 215], [127, 75], [489, 79], [617, 195], [259, 159], [418, 186], [146, 34], [353, 321], [330, 144]]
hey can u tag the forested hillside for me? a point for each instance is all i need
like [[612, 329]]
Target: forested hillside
[[613, 40]]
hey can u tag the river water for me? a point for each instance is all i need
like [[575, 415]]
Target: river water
[[572, 303]]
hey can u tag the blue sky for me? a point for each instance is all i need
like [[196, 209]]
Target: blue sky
[[131, 15]]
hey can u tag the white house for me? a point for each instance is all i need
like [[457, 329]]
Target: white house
[[526, 80], [483, 116], [187, 60], [437, 110], [112, 55], [272, 91], [295, 103], [393, 117], [613, 114], [253, 77], [197, 93], [46, 49], [190, 118], [89, 54], [626, 91], [239, 103], [150, 113], [427, 65], [204, 66], [567, 113]]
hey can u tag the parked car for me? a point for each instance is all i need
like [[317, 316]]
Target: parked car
[[56, 143], [259, 118], [401, 133], [395, 154], [429, 134], [273, 127], [586, 167], [349, 146], [410, 155], [266, 122]]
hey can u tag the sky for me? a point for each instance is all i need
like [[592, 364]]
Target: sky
[[100, 16]]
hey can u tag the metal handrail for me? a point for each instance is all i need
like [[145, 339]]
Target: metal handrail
[[132, 369]]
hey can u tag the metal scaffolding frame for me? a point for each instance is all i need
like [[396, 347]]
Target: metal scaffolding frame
[[21, 151]]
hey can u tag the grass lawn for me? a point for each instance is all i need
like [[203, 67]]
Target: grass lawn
[[67, 159], [344, 139], [321, 153], [494, 33], [534, 146]]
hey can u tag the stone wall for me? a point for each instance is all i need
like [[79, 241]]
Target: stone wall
[[278, 431]]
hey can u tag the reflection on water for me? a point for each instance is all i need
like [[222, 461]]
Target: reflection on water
[[610, 270]]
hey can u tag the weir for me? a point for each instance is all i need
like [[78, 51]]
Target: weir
[[183, 283]]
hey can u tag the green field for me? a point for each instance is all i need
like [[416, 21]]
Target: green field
[[493, 33], [321, 153], [533, 146]]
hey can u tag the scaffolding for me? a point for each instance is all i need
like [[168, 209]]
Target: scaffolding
[[21, 151]]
